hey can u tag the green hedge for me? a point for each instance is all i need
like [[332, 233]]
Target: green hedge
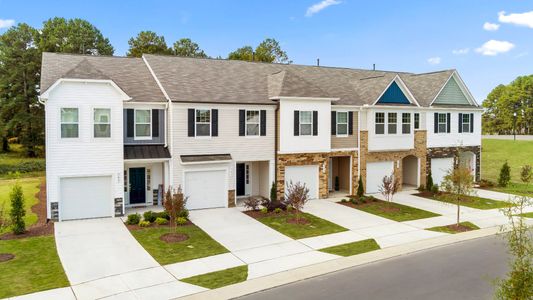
[[23, 167]]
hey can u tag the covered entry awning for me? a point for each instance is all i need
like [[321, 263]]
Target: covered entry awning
[[205, 158], [146, 152]]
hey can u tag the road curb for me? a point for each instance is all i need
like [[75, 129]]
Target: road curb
[[294, 275]]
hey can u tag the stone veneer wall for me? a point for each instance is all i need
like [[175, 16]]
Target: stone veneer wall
[[231, 198], [443, 152], [420, 150]]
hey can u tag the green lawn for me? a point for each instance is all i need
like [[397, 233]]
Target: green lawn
[[220, 278], [198, 245], [469, 201], [36, 266], [527, 215], [353, 248], [447, 229], [30, 186], [516, 153], [15, 160], [315, 227], [393, 211]]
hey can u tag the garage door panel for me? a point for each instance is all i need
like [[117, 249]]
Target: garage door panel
[[375, 171], [304, 174], [86, 197], [206, 189], [439, 168]]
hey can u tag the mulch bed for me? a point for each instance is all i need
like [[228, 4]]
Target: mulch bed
[[460, 228], [40, 207], [174, 237], [6, 256]]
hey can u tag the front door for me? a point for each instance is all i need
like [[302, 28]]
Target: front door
[[137, 186], [240, 180]]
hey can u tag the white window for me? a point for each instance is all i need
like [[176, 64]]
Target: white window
[[392, 123], [306, 123], [252, 122], [417, 121], [203, 122], [406, 123], [380, 123], [442, 123], [69, 123], [143, 124], [342, 123], [466, 123], [102, 122]]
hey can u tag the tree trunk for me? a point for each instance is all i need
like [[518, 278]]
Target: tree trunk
[[5, 144]]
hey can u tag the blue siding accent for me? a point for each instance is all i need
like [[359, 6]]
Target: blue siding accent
[[394, 95]]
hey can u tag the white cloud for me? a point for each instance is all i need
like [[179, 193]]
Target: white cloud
[[461, 51], [523, 19], [491, 26], [434, 60], [6, 23], [494, 47], [317, 7]]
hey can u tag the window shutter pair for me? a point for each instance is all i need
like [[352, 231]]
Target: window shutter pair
[[471, 119], [436, 123], [334, 123], [297, 122], [242, 122], [192, 122], [130, 122]]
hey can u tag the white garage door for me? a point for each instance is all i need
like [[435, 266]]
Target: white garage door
[[375, 171], [206, 189], [439, 168], [304, 174], [86, 197]]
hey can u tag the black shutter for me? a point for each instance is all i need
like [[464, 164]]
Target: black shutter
[[436, 123], [296, 123], [155, 122], [242, 122], [471, 122], [350, 123], [130, 122], [263, 122], [448, 123], [460, 123], [190, 121], [333, 123], [214, 122], [315, 122]]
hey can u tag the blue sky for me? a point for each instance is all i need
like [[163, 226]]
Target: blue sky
[[414, 36]]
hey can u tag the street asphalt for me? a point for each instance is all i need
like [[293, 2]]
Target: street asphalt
[[464, 270]]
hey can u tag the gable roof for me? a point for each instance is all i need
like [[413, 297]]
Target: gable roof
[[287, 84], [426, 86]]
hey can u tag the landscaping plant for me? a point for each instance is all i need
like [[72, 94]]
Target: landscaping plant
[[4, 222], [17, 212], [273, 192], [296, 195], [519, 282], [144, 223], [458, 182], [429, 181], [174, 204], [505, 175], [133, 219], [389, 186], [526, 173], [149, 216], [360, 188], [161, 221], [252, 203], [181, 221]]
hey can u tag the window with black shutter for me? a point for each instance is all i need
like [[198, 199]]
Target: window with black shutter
[[263, 123]]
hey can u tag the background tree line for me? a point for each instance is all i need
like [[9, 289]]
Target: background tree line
[[503, 101], [21, 47]]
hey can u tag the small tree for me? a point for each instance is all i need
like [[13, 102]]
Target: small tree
[[519, 281], [505, 175], [273, 192], [360, 188], [296, 195], [526, 173], [429, 182], [458, 182], [174, 204], [389, 186], [17, 209]]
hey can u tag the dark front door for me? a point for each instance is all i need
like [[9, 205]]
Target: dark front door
[[240, 179], [137, 186]]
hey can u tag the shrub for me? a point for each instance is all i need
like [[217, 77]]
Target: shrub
[[175, 204], [435, 189], [133, 219], [526, 173], [163, 215], [184, 213], [289, 208], [17, 210], [505, 175], [484, 183], [296, 195], [429, 182], [144, 223], [360, 188], [252, 203], [421, 188], [181, 221], [4, 221], [344, 200], [273, 192], [149, 216], [23, 167], [277, 210], [264, 210], [161, 221]]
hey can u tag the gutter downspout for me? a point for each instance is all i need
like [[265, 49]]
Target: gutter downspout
[[276, 144]]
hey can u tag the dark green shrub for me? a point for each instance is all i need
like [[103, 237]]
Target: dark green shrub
[[429, 181], [23, 167], [181, 221], [360, 188], [164, 214], [184, 213], [505, 175], [17, 212], [149, 216], [133, 219], [273, 193], [421, 188], [435, 189]]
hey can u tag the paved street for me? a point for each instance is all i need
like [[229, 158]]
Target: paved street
[[460, 271]]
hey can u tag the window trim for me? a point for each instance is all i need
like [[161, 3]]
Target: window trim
[[138, 138], [300, 123], [395, 123], [251, 123], [416, 121], [468, 123], [69, 123], [337, 123], [101, 123], [376, 122], [210, 123], [439, 123], [408, 123]]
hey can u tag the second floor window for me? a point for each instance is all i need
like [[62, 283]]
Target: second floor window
[[392, 123], [417, 121], [406, 123], [442, 124], [466, 123], [380, 123], [252, 122], [306, 123], [102, 122], [69, 123], [143, 124], [342, 123], [203, 122]]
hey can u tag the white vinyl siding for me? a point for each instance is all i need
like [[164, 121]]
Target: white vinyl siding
[[69, 123], [102, 122], [252, 122], [342, 123], [143, 124], [306, 123], [203, 122]]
